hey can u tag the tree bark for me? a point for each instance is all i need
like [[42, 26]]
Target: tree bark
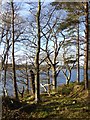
[[13, 59], [89, 45], [78, 55], [86, 50], [48, 75], [32, 81], [27, 78], [54, 78], [37, 78], [6, 58]]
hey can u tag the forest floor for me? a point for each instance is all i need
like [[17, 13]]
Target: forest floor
[[69, 103]]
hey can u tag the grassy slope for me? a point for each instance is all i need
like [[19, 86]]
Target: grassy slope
[[70, 102]]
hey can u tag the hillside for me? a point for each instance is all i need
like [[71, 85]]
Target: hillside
[[70, 102]]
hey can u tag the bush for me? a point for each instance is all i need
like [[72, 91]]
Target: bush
[[66, 90]]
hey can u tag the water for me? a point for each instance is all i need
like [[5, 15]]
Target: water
[[61, 78], [21, 79]]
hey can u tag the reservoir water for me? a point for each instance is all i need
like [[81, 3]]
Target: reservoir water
[[21, 79]]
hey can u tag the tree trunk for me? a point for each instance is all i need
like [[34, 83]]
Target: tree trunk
[[89, 45], [68, 78], [27, 78], [54, 78], [48, 75], [78, 67], [32, 81], [86, 50], [5, 71], [13, 59], [37, 78], [6, 58]]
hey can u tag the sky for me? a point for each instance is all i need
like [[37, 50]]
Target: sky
[[3, 1], [25, 11]]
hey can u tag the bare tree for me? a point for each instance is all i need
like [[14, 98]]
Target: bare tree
[[78, 55], [86, 46], [37, 78], [69, 64], [13, 59]]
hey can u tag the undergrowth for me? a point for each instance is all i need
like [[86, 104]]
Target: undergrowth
[[70, 102]]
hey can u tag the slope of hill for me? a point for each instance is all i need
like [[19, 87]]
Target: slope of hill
[[70, 102]]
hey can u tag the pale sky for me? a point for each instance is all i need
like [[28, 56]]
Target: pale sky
[[3, 1]]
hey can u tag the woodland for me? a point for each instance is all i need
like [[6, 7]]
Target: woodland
[[39, 41]]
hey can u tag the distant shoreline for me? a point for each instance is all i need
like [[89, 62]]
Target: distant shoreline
[[23, 66]]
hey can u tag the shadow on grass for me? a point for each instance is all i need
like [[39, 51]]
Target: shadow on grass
[[88, 100], [13, 109], [50, 108]]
